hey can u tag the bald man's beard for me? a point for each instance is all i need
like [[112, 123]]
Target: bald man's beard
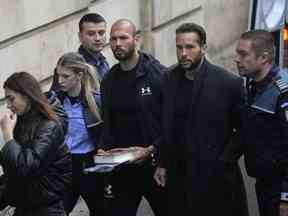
[[124, 55]]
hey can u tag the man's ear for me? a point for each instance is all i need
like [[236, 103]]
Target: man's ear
[[267, 54], [138, 37], [139, 40], [203, 49], [79, 37], [265, 57]]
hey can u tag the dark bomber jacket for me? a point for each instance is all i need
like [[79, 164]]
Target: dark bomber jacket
[[149, 77]]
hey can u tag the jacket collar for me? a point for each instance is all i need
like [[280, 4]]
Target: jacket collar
[[261, 85], [62, 95], [142, 64], [199, 80], [91, 59]]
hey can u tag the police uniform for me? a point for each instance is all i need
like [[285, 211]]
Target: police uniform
[[265, 136]]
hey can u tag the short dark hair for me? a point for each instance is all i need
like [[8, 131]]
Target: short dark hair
[[193, 27], [261, 41], [91, 17]]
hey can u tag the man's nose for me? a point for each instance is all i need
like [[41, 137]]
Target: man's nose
[[118, 42], [236, 58], [97, 37], [184, 52]]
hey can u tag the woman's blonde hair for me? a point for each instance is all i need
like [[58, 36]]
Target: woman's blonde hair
[[90, 79]]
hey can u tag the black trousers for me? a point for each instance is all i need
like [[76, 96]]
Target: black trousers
[[55, 209], [129, 185], [268, 196], [89, 186]]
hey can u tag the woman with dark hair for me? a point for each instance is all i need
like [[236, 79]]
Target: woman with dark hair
[[35, 160], [80, 97]]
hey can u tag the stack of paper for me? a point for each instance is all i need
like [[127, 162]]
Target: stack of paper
[[101, 168], [111, 161], [115, 157]]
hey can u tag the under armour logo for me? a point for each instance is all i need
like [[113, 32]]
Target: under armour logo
[[146, 91], [108, 189], [108, 193]]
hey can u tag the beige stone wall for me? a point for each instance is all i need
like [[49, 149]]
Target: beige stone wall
[[167, 19], [21, 16], [223, 20]]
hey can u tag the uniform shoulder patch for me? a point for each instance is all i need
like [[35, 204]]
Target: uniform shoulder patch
[[281, 81], [284, 106]]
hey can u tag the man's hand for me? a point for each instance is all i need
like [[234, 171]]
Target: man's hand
[[160, 176], [283, 209], [102, 152], [141, 154]]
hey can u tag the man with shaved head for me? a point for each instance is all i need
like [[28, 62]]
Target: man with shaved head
[[125, 52], [131, 101]]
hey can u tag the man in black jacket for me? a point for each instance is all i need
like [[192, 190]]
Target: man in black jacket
[[201, 107], [131, 100], [265, 121], [92, 35]]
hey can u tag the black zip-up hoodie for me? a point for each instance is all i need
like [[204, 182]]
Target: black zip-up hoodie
[[149, 77]]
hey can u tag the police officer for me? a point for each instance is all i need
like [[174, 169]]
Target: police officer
[[265, 121]]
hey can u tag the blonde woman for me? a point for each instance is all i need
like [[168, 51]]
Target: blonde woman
[[80, 96]]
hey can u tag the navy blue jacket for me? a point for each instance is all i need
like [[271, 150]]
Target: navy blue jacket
[[265, 129]]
